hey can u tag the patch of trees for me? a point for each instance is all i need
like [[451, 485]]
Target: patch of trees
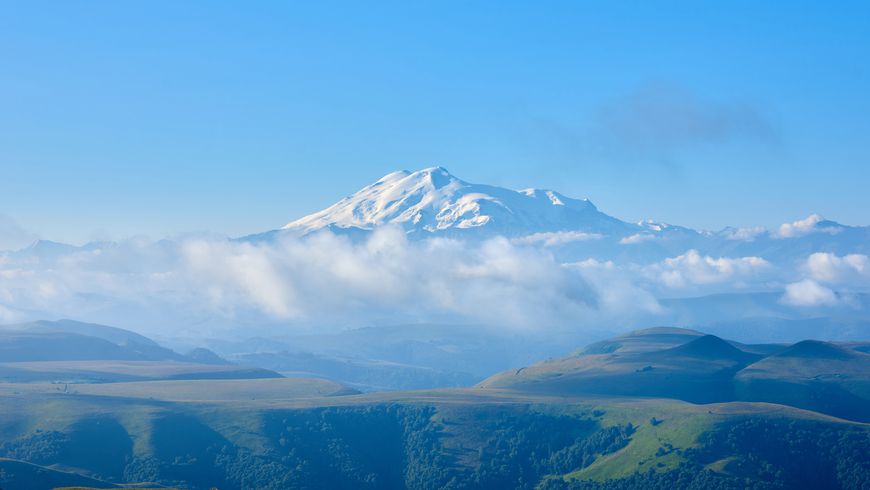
[[760, 454], [795, 453], [524, 447], [41, 447], [413, 446]]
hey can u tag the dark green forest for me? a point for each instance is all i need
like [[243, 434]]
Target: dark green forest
[[411, 446]]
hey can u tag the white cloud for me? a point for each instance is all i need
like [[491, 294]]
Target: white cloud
[[831, 268], [809, 293], [805, 227], [636, 238], [323, 280], [745, 234], [593, 264], [330, 281], [692, 269], [617, 287], [551, 239], [242, 272]]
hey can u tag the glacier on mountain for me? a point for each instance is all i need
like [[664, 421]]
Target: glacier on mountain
[[433, 203]]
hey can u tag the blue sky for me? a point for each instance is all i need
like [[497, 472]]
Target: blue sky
[[155, 118]]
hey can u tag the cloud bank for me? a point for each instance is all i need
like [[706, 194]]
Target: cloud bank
[[693, 269], [321, 281], [327, 281], [813, 223], [823, 273]]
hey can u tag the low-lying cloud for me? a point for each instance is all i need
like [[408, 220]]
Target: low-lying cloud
[[809, 293], [637, 238], [555, 238], [813, 223], [835, 269], [328, 281], [321, 281], [693, 269], [825, 272]]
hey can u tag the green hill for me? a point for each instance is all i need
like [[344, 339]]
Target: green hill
[[472, 438], [814, 375], [71, 340], [72, 352], [657, 408], [687, 365]]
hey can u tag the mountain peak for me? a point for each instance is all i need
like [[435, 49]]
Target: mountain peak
[[430, 173], [816, 349], [710, 347], [438, 177], [438, 169], [434, 200]]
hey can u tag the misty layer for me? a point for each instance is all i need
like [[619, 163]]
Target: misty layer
[[329, 280]]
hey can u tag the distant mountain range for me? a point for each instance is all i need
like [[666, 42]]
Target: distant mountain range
[[434, 203]]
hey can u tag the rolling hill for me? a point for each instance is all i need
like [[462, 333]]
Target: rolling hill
[[466, 438], [71, 340], [687, 365], [815, 375], [656, 408], [68, 351]]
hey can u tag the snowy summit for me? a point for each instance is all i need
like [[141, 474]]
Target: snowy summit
[[434, 201]]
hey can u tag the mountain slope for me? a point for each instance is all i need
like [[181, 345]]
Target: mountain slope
[[71, 340], [434, 203], [673, 364], [814, 375], [73, 351], [432, 200], [820, 376], [422, 440]]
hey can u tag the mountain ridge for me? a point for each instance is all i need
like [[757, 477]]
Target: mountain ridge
[[821, 376], [432, 202]]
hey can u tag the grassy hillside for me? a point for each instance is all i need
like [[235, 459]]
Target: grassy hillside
[[67, 340], [687, 365], [593, 420], [199, 434], [105, 371], [814, 375]]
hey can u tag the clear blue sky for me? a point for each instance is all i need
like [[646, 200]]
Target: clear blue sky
[[126, 118]]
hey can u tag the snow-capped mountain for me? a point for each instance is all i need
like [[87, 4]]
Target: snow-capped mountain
[[432, 201]]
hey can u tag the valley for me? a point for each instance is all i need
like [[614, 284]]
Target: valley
[[642, 410]]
